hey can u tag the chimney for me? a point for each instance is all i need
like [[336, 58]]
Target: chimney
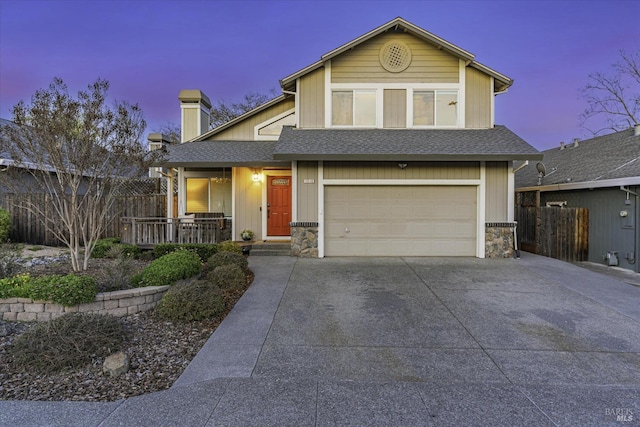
[[575, 142], [636, 129], [194, 117], [156, 142], [562, 145]]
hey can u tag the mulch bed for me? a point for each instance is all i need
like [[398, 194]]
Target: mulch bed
[[159, 351]]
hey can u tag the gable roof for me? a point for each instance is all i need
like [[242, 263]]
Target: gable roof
[[498, 143], [399, 23], [603, 161]]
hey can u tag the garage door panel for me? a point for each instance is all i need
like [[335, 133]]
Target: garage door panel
[[400, 220]]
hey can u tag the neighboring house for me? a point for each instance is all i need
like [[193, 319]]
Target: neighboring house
[[385, 146], [601, 174]]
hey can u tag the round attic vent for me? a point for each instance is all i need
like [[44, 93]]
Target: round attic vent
[[395, 56]]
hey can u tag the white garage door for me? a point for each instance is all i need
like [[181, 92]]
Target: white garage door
[[400, 220]]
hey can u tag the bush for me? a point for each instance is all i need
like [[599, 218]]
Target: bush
[[72, 340], [226, 258], [204, 250], [168, 269], [193, 301], [9, 256], [118, 272], [229, 277], [229, 246], [66, 290], [105, 246], [5, 225]]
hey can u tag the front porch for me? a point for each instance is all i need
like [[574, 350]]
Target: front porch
[[147, 232]]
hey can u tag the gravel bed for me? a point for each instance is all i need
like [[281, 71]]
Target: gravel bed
[[158, 350]]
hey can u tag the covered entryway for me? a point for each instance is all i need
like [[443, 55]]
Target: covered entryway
[[400, 220]]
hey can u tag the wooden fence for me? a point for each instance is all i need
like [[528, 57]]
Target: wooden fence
[[561, 233], [27, 227]]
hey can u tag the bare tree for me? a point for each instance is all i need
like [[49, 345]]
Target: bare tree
[[77, 150], [615, 97], [223, 112]]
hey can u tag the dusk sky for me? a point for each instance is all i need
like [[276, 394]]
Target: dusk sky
[[150, 50]]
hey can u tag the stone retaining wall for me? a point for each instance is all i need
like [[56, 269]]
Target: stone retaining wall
[[499, 239], [304, 239], [116, 303]]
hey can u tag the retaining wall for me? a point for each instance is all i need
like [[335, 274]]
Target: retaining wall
[[116, 303]]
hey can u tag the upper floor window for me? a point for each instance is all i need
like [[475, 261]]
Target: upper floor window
[[353, 108], [435, 108]]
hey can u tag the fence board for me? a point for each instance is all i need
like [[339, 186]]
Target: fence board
[[562, 233], [27, 227]]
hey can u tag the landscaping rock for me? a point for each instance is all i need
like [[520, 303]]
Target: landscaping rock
[[116, 364]]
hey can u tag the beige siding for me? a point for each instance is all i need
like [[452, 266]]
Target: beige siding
[[478, 102], [248, 199], [190, 122], [497, 185], [395, 108], [362, 64], [307, 192], [311, 103], [390, 170], [243, 131]]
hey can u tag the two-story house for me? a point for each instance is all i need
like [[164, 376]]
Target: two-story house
[[386, 146]]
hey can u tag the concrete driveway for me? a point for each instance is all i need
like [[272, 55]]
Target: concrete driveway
[[409, 341]]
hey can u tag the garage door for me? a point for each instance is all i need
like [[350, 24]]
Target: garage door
[[400, 220]]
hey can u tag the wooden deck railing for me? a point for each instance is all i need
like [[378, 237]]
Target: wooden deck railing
[[146, 232]]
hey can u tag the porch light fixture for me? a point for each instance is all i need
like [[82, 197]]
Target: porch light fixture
[[256, 176], [402, 166]]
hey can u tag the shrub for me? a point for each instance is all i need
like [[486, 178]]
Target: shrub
[[229, 246], [168, 269], [9, 256], [72, 340], [5, 225], [226, 258], [118, 272], [66, 290], [197, 300], [228, 277], [104, 246], [204, 250]]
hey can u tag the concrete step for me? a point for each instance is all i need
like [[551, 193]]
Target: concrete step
[[271, 249]]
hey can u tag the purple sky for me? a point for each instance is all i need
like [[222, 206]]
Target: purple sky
[[150, 50]]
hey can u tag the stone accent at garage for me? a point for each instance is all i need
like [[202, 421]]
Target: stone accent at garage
[[304, 239], [499, 239], [116, 303]]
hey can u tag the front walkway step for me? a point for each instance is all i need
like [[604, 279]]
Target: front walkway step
[[271, 249]]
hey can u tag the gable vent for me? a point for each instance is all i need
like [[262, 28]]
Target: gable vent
[[395, 56]]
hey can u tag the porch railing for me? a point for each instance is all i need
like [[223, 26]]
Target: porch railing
[[146, 232]]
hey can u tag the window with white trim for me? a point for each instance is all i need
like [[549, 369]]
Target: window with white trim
[[353, 108], [437, 108], [208, 194]]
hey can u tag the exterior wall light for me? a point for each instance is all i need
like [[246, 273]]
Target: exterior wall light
[[256, 176], [402, 165]]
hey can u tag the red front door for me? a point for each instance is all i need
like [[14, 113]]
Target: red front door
[[278, 205]]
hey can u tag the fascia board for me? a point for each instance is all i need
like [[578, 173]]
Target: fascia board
[[587, 185], [493, 73]]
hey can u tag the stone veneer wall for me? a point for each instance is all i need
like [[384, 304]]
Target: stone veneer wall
[[304, 239], [116, 303], [499, 239]]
